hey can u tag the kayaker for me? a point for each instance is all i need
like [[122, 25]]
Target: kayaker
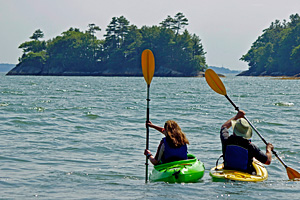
[[173, 147], [238, 151]]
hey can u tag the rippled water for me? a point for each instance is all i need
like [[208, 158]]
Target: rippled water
[[84, 137]]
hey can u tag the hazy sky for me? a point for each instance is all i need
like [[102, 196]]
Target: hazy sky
[[227, 28]]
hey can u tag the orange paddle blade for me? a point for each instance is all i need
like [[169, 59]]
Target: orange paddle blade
[[148, 65], [293, 174], [215, 82]]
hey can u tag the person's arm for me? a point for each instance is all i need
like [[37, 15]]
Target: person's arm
[[228, 124], [262, 157], [158, 128], [153, 160], [150, 157], [269, 149]]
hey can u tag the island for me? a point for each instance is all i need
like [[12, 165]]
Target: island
[[80, 53], [277, 51]]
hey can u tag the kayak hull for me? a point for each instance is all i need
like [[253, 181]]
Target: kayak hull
[[182, 171], [220, 174]]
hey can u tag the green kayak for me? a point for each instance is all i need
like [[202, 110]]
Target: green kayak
[[182, 171]]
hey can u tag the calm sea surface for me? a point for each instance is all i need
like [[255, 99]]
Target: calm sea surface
[[84, 137]]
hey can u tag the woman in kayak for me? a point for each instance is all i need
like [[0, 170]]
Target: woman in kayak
[[238, 151], [173, 147]]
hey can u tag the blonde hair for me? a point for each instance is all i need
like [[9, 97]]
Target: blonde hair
[[174, 134]]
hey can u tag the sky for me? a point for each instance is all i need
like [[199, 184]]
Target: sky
[[227, 28]]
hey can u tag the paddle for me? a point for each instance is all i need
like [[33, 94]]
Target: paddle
[[216, 84], [148, 66]]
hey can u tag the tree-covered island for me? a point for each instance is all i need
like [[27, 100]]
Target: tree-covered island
[[176, 51], [277, 51]]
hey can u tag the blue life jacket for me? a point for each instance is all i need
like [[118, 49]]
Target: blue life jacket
[[236, 154], [173, 154]]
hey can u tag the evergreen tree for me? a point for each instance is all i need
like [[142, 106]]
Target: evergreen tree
[[179, 22], [37, 34], [34, 52]]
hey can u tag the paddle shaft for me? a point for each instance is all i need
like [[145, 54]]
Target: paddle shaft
[[261, 137], [147, 132]]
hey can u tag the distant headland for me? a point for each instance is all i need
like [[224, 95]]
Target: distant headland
[[5, 67], [223, 70]]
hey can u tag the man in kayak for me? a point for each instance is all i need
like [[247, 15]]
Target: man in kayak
[[173, 147], [238, 151]]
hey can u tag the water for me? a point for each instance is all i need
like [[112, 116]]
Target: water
[[84, 137]]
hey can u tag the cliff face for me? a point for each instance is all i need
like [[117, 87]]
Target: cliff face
[[58, 71]]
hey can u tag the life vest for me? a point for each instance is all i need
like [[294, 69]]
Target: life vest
[[236, 153], [173, 154]]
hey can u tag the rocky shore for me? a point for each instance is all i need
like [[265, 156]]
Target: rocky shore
[[44, 71], [265, 73]]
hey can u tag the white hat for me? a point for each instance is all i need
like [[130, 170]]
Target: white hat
[[241, 128]]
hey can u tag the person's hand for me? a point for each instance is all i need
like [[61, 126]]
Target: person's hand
[[240, 114], [149, 123], [147, 152], [269, 147]]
